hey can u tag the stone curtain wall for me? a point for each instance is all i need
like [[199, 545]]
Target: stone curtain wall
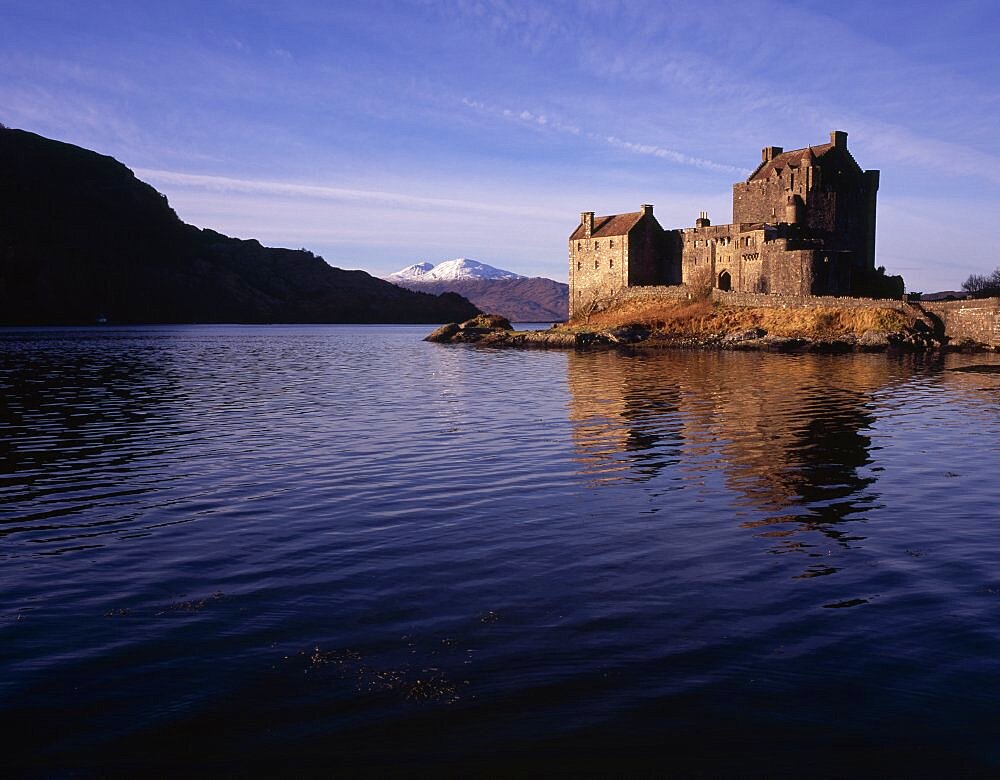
[[978, 319], [681, 292], [809, 301]]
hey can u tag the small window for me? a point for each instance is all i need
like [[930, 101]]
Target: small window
[[611, 263], [579, 265], [597, 244], [595, 265], [611, 242]]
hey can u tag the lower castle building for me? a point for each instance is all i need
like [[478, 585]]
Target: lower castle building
[[803, 224]]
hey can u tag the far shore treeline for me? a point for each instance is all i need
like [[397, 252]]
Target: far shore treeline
[[82, 240]]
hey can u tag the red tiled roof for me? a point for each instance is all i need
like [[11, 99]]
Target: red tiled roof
[[791, 159], [614, 225]]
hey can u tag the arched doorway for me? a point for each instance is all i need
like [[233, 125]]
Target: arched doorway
[[725, 281]]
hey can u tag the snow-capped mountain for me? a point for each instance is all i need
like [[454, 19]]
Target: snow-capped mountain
[[450, 271], [416, 271], [494, 290]]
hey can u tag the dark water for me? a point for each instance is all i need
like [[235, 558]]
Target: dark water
[[325, 549]]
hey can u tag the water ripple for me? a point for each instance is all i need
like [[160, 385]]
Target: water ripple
[[308, 543]]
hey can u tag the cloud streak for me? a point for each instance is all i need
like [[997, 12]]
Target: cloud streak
[[227, 184], [546, 120]]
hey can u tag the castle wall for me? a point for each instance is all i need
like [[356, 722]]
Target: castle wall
[[804, 224], [647, 263], [977, 319], [845, 218], [776, 301], [838, 202], [700, 247], [763, 200], [601, 266], [754, 259], [598, 268]]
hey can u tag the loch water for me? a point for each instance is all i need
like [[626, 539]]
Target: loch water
[[340, 549]]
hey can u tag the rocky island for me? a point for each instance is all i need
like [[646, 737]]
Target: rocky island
[[803, 325]]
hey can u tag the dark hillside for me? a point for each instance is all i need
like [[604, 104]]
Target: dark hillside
[[82, 238]]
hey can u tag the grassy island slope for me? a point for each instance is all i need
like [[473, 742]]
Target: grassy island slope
[[673, 322]]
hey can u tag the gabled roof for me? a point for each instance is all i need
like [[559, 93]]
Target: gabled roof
[[793, 159], [614, 225]]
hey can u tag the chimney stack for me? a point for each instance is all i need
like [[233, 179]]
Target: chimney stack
[[703, 220], [838, 138], [768, 153], [647, 209], [587, 220]]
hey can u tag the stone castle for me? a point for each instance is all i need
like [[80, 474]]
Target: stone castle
[[803, 224]]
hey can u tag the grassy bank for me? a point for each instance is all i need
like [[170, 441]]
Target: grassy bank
[[713, 325], [698, 319]]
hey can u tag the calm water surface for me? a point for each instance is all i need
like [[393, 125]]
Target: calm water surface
[[248, 549]]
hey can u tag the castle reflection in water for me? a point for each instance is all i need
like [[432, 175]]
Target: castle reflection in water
[[789, 436]]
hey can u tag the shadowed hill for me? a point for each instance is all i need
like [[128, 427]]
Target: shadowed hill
[[81, 237]]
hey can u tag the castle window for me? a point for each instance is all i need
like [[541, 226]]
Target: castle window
[[611, 263], [579, 245], [597, 244], [595, 265], [611, 242], [579, 265]]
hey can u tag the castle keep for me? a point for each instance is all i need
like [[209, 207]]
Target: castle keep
[[803, 224]]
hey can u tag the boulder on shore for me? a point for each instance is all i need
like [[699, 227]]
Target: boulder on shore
[[471, 330], [444, 333], [487, 322]]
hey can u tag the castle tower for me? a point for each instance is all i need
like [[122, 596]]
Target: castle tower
[[795, 210]]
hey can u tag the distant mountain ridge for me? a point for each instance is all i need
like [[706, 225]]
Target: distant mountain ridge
[[494, 290], [82, 239]]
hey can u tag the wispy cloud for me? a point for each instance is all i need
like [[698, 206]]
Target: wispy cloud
[[546, 120], [226, 184], [670, 154]]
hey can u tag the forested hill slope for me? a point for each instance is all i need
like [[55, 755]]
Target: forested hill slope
[[81, 238]]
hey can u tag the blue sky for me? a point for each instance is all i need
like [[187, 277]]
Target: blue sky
[[380, 134]]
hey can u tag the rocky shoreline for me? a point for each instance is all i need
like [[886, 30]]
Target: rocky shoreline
[[490, 330]]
